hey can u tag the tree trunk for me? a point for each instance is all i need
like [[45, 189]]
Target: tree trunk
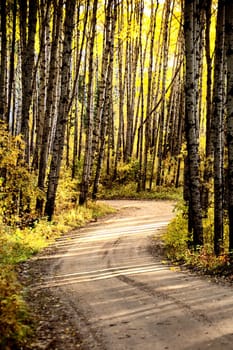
[[141, 185], [3, 66], [229, 57], [28, 55], [12, 70], [102, 84], [79, 56], [44, 22], [62, 117], [148, 132], [51, 88], [192, 134], [84, 187], [218, 129], [121, 90], [208, 149], [166, 40], [107, 99], [131, 64]]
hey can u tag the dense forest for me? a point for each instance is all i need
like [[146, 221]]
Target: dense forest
[[113, 91], [104, 94]]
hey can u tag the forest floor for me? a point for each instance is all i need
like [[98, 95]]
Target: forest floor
[[106, 287]]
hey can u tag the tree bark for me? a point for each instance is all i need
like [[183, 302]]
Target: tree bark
[[28, 56], [229, 58], [208, 175], [121, 90], [218, 129], [106, 100], [192, 134], [51, 88], [84, 187], [12, 71], [42, 89], [58, 144], [3, 66]]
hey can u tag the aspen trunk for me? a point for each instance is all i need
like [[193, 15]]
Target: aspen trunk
[[52, 79], [84, 187], [192, 133], [28, 55], [229, 57], [62, 116]]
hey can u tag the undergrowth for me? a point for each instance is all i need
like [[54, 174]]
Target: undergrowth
[[177, 248], [129, 191]]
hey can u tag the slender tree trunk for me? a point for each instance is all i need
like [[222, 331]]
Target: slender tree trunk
[[102, 84], [218, 129], [3, 62], [83, 98], [84, 188], [166, 40], [149, 92], [208, 149], [44, 22], [131, 64], [75, 147], [229, 57], [51, 88], [191, 126], [106, 104], [76, 87], [62, 117], [28, 56], [141, 185], [12, 70], [121, 90]]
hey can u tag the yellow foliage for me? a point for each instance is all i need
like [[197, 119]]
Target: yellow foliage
[[13, 312], [17, 182]]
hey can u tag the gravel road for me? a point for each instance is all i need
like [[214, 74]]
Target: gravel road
[[114, 295]]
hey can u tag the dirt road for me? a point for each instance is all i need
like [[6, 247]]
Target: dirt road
[[120, 297]]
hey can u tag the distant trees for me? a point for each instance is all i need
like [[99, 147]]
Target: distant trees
[[99, 97]]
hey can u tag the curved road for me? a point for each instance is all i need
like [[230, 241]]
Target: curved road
[[121, 297]]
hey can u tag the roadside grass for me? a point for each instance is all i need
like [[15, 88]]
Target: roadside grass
[[18, 245], [176, 246]]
